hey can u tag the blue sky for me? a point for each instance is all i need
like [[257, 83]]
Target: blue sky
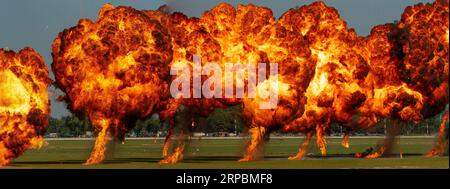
[[36, 23], [359, 14]]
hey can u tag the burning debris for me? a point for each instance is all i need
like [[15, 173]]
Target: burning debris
[[24, 104], [116, 70]]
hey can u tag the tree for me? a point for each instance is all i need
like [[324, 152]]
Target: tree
[[147, 126], [225, 120], [68, 126]]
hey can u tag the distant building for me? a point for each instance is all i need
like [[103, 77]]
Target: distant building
[[52, 135], [221, 134], [89, 134], [199, 134], [232, 134]]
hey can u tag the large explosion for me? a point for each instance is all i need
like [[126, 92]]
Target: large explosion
[[246, 36], [24, 104], [116, 70]]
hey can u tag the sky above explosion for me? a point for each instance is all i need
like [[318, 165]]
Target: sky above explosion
[[36, 23]]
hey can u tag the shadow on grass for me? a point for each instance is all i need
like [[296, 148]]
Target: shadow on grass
[[202, 159], [332, 156], [26, 163]]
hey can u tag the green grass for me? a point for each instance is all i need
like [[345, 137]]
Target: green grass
[[222, 154]]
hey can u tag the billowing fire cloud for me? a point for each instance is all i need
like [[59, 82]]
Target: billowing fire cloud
[[115, 70], [24, 104], [246, 35], [400, 71]]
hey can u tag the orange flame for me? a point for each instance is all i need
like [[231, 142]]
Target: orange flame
[[256, 140], [303, 148], [377, 154], [114, 70], [98, 153], [321, 141], [441, 143], [117, 67], [345, 143], [166, 146], [24, 104], [176, 156]]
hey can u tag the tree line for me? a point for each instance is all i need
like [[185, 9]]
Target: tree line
[[228, 120]]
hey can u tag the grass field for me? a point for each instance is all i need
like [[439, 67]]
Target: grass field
[[224, 153]]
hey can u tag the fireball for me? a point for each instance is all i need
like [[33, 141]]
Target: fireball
[[328, 74], [24, 104], [246, 35], [114, 70]]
